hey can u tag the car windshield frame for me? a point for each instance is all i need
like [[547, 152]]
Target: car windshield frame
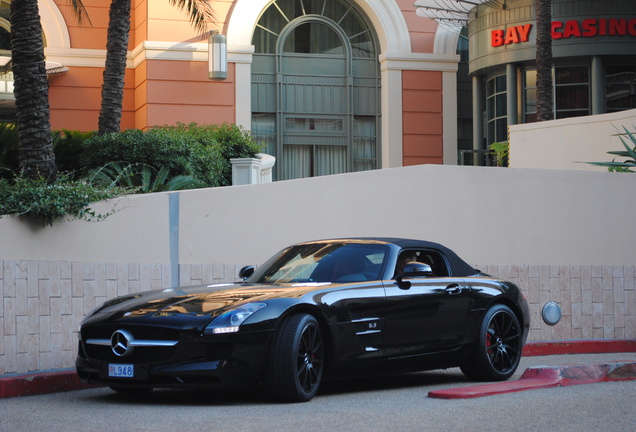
[[331, 262]]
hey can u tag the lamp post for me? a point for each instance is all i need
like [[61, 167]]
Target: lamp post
[[217, 56]]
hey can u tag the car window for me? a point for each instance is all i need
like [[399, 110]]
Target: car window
[[324, 262], [433, 258]]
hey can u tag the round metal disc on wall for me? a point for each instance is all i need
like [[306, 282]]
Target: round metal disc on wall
[[551, 313]]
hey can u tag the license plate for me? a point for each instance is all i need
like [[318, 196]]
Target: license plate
[[121, 370]]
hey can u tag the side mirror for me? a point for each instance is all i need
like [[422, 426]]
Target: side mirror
[[413, 269], [246, 272]]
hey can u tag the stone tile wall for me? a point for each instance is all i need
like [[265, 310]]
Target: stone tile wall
[[597, 302], [42, 303]]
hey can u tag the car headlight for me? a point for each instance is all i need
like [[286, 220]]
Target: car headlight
[[230, 321]]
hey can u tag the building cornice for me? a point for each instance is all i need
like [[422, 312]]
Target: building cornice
[[419, 61], [148, 50]]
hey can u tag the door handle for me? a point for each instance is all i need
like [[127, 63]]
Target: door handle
[[453, 289]]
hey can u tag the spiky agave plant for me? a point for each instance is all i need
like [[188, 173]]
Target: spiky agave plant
[[142, 178], [629, 154]]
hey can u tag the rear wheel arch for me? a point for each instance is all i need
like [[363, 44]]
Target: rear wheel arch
[[515, 309], [506, 301]]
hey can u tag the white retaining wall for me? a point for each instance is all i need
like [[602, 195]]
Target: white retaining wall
[[567, 144]]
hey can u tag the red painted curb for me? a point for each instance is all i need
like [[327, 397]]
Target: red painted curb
[[40, 383], [579, 347], [493, 389], [545, 377]]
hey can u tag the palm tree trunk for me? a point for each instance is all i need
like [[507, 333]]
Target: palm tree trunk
[[31, 91], [544, 60], [115, 69]]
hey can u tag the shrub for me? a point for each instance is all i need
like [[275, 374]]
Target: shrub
[[229, 140], [180, 153], [67, 146], [47, 203], [8, 150]]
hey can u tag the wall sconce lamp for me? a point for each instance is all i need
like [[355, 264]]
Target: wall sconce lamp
[[217, 56]]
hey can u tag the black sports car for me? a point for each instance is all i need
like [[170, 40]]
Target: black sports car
[[316, 310]]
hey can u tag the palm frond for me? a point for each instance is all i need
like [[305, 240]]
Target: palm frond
[[200, 12], [80, 12]]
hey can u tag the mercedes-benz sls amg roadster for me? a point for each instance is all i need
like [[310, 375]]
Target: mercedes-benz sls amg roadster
[[317, 310]]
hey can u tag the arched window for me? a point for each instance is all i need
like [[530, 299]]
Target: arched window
[[316, 88]]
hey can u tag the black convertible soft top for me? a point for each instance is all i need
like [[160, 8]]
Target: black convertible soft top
[[458, 267]]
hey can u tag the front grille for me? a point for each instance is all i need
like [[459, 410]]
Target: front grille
[[139, 354], [147, 333]]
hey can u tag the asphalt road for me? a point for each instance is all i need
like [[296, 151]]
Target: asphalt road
[[395, 403]]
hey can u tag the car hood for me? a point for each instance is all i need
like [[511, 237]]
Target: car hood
[[201, 303]]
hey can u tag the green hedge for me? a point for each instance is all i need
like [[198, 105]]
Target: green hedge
[[181, 154], [229, 140]]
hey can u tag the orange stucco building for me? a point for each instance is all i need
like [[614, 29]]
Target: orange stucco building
[[368, 83]]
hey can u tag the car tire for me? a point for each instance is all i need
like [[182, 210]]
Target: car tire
[[499, 345], [297, 361]]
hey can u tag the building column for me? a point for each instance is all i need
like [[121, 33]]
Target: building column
[[241, 56], [511, 94], [449, 114], [391, 119], [598, 88], [478, 116]]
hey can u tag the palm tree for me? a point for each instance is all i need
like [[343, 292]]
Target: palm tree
[[31, 89], [200, 12], [544, 60]]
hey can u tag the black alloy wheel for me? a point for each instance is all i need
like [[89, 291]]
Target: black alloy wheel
[[498, 348], [297, 360]]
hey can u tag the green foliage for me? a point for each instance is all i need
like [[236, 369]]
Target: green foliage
[[67, 146], [142, 178], [8, 150], [180, 153], [501, 150], [161, 159], [47, 203], [229, 140], [628, 139]]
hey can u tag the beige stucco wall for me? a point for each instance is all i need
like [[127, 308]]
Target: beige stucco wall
[[489, 215], [563, 236], [567, 144]]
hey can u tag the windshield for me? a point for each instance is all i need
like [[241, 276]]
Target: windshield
[[324, 262]]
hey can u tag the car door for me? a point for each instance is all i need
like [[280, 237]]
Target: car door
[[430, 316]]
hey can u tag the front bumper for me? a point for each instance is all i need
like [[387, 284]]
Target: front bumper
[[192, 365]]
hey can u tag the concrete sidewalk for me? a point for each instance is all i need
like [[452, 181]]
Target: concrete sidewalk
[[567, 373]]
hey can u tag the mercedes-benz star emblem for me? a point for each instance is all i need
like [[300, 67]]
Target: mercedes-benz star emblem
[[120, 343]]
